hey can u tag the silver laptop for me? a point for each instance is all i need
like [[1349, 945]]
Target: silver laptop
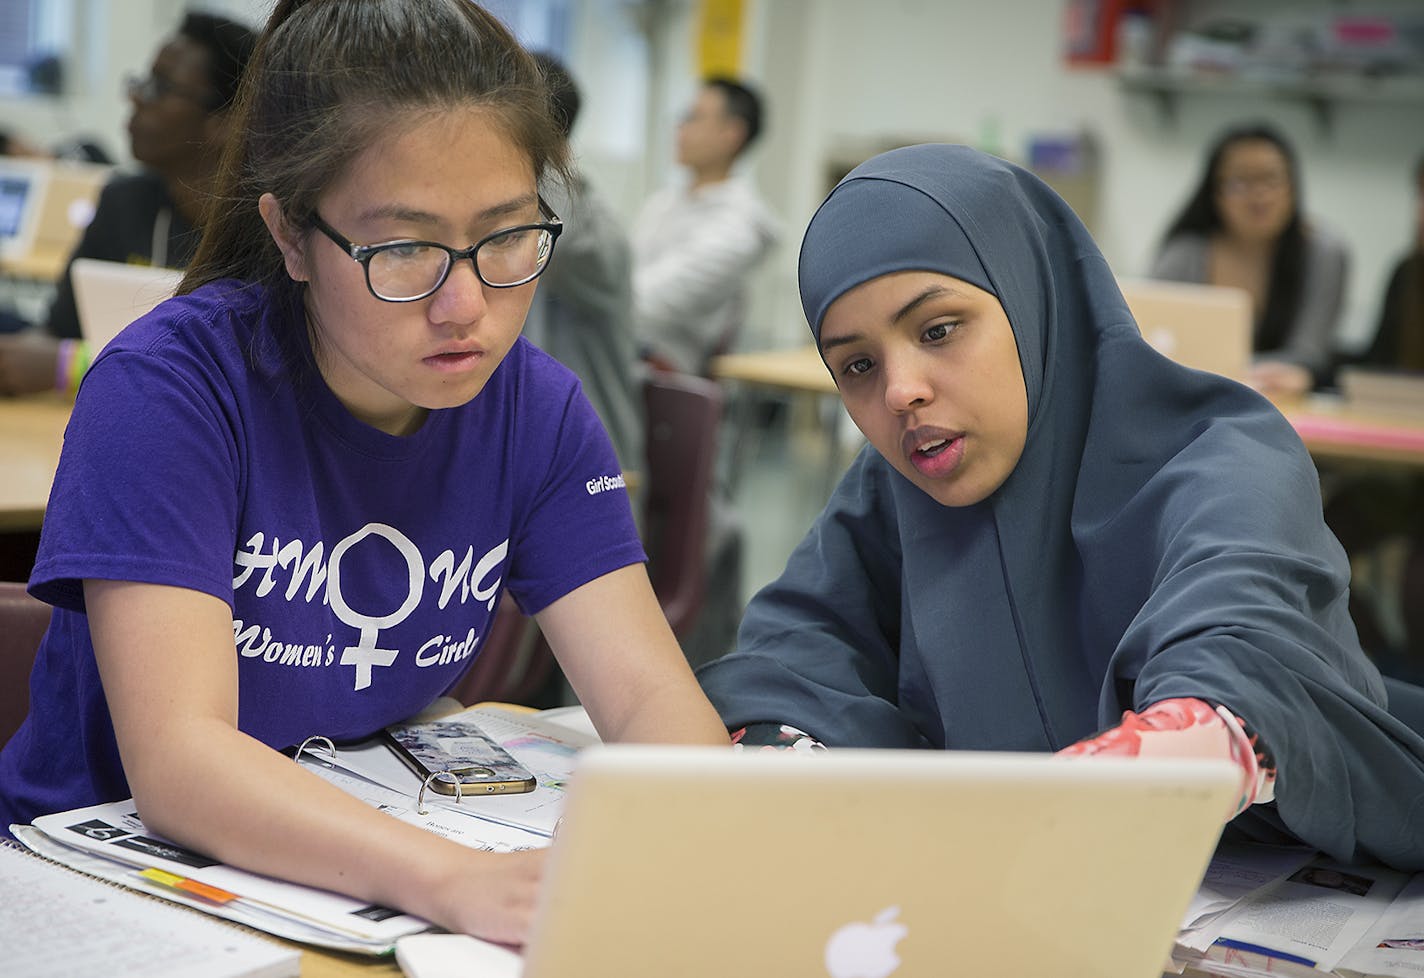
[[22, 185], [109, 295], [705, 863], [67, 206], [1207, 327]]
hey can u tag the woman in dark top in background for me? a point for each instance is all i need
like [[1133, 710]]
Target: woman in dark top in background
[[1366, 510], [1244, 226]]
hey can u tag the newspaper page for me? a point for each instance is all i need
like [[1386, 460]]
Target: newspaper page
[[1313, 917], [1394, 946]]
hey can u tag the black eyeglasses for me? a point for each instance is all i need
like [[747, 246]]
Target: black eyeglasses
[[406, 271], [152, 87]]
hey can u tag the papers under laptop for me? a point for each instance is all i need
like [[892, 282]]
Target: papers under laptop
[[1207, 327], [110, 295], [702, 862]]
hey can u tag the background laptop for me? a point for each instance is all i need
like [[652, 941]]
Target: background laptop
[[1207, 327], [704, 863], [67, 206], [109, 295], [21, 187]]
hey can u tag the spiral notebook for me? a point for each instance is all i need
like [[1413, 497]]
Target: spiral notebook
[[56, 923]]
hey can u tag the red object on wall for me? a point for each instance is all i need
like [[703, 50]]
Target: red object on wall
[[1090, 30]]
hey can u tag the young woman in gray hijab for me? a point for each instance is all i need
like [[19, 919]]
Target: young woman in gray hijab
[[1057, 539]]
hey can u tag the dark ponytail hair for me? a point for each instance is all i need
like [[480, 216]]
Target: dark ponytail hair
[[1202, 216], [329, 77]]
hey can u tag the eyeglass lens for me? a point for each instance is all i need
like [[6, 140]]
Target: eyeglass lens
[[409, 271]]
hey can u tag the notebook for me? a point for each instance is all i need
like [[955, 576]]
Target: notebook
[[109, 295], [1381, 391], [1207, 327], [56, 923], [703, 863], [21, 188]]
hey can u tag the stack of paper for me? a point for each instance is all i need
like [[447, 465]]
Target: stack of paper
[[1268, 911]]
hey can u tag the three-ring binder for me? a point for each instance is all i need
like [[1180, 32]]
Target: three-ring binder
[[450, 775]]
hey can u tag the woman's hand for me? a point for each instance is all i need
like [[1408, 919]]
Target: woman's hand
[[1186, 727], [497, 902], [1276, 378]]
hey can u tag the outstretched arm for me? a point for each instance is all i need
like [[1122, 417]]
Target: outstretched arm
[[169, 671]]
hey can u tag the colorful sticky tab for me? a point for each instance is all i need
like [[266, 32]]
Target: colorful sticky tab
[[188, 886]]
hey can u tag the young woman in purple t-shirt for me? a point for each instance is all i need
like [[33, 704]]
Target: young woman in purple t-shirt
[[362, 282]]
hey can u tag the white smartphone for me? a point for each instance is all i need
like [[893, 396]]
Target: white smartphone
[[462, 749]]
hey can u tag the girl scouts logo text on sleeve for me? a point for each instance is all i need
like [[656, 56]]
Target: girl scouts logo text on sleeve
[[603, 483], [307, 573]]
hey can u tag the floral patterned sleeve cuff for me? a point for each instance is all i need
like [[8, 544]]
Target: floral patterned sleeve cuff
[[773, 736]]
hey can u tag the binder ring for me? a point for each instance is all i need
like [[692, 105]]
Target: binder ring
[[320, 742], [420, 808]]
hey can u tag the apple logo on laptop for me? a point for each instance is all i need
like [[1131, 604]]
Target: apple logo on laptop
[[861, 950]]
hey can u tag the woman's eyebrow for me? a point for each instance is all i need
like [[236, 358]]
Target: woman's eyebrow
[[930, 292], [414, 215]]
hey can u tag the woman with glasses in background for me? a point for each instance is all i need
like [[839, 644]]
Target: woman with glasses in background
[[179, 125], [1244, 226], [291, 497]]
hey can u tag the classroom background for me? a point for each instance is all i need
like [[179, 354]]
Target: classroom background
[[844, 78], [1073, 88]]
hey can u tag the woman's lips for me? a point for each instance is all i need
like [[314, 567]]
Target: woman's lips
[[455, 361], [934, 452]]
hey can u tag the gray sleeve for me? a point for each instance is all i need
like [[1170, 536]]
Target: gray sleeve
[[819, 647], [1311, 341]]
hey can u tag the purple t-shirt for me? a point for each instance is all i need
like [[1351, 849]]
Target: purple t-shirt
[[361, 568]]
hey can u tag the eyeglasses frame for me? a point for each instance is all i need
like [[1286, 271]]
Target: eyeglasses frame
[[362, 254], [152, 88]]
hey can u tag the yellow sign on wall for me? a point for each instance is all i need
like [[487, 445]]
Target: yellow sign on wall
[[719, 37]]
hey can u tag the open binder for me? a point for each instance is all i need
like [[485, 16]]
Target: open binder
[[110, 841]]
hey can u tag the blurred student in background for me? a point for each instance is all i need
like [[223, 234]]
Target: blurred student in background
[[583, 310], [1366, 509], [1245, 226], [695, 245], [177, 130]]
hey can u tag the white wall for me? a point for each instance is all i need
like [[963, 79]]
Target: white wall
[[843, 75]]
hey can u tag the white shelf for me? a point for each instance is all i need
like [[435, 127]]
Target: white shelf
[[1320, 92]]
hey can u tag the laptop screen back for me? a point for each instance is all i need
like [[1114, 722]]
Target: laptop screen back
[[110, 295], [1206, 327], [21, 186], [703, 862]]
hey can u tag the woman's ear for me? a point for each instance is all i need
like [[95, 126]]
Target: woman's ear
[[289, 241]]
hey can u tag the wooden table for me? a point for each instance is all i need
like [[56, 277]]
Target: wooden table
[[319, 963], [31, 433], [799, 370], [1332, 430], [41, 264]]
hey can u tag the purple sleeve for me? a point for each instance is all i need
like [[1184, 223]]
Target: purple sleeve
[[146, 489], [579, 524]]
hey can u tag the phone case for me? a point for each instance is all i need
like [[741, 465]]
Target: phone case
[[463, 749]]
